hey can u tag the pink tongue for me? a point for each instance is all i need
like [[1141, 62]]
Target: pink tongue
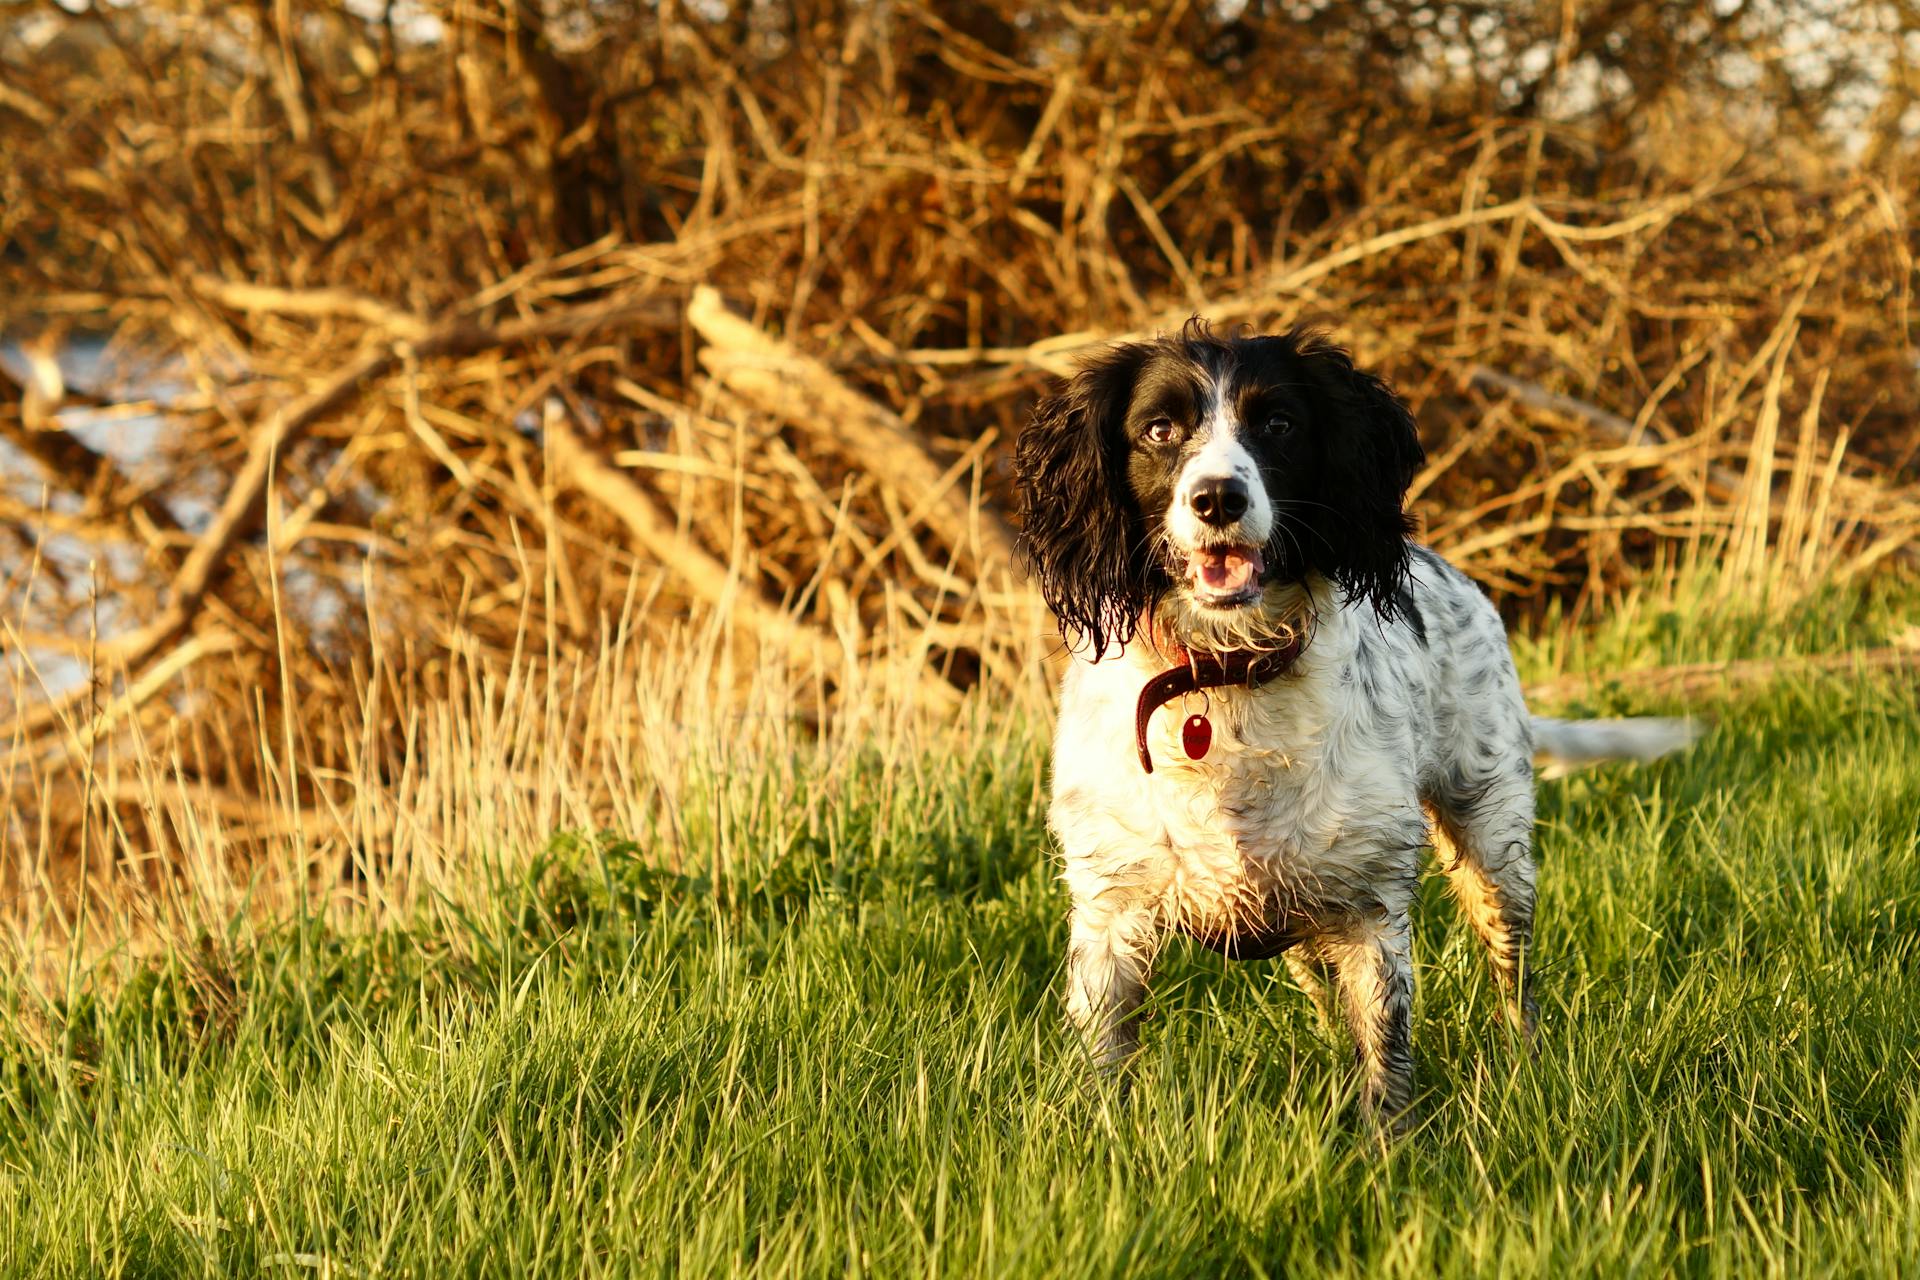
[[1226, 569]]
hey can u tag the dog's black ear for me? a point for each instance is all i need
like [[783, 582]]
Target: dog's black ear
[[1369, 456], [1080, 530]]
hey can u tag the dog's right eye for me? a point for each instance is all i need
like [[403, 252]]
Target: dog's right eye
[[1160, 431]]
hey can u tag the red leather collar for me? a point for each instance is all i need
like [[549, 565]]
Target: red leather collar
[[1208, 671]]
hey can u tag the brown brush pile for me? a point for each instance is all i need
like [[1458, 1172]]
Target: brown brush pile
[[471, 325]]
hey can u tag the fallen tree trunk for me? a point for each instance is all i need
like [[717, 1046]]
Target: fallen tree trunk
[[778, 379], [703, 575]]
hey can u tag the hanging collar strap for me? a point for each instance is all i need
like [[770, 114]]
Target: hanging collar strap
[[1243, 668]]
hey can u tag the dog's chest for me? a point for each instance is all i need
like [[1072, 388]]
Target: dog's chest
[[1258, 803], [1222, 841]]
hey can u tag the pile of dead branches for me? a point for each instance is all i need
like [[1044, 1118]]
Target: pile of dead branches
[[435, 325]]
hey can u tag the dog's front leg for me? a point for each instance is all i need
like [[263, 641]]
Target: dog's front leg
[[1373, 967], [1109, 953]]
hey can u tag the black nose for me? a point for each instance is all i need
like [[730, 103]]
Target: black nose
[[1220, 501]]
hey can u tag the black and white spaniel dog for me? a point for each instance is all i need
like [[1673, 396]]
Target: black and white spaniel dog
[[1276, 699]]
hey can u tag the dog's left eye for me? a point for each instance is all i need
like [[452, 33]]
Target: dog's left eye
[[1279, 425]]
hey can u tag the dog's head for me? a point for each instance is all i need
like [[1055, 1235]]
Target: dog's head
[[1214, 477]]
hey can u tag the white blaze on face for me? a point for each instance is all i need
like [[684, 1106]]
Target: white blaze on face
[[1221, 456], [1224, 562]]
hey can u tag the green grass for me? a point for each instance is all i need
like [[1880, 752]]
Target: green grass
[[840, 1051]]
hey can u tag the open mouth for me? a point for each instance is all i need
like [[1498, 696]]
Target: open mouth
[[1225, 576]]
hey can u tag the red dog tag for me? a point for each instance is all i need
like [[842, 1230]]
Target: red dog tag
[[1196, 735]]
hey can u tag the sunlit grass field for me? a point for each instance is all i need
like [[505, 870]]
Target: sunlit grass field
[[841, 1053]]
